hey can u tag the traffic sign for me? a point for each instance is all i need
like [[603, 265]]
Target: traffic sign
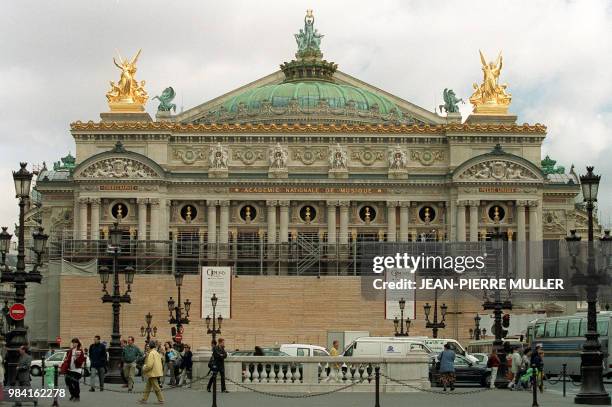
[[17, 311], [178, 337]]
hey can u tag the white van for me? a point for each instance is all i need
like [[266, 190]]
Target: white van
[[437, 346], [384, 346], [298, 349]]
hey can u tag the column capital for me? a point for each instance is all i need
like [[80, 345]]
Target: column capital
[[224, 203], [284, 204], [142, 201], [405, 204], [344, 204], [522, 203], [154, 201], [392, 204], [95, 201], [462, 203], [212, 203], [271, 203], [473, 203], [332, 204], [533, 204], [83, 201]]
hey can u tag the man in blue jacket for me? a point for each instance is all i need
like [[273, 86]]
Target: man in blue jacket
[[97, 358]]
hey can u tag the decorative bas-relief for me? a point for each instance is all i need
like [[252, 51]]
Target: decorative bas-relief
[[118, 168], [367, 156], [188, 155], [309, 155], [427, 157], [338, 158], [278, 156], [397, 158], [248, 155], [497, 170], [218, 157]]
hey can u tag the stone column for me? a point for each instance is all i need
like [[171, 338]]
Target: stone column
[[474, 206], [142, 218], [271, 221], [164, 224], [535, 242], [520, 221], [461, 221], [284, 221], [224, 222], [331, 222], [212, 221], [404, 220], [344, 221], [95, 218], [155, 233], [83, 202], [391, 221]]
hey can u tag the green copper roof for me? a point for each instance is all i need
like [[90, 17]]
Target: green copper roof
[[308, 94]]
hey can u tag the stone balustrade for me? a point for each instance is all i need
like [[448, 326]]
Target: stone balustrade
[[318, 374]]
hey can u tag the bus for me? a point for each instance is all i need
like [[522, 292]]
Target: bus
[[562, 339]]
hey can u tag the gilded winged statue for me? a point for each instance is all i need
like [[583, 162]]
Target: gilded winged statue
[[128, 90], [490, 94]]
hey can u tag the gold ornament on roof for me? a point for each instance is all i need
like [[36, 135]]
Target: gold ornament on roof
[[490, 97], [128, 95]]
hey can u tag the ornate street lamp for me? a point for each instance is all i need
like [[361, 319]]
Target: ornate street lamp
[[215, 321], [435, 324], [399, 323], [498, 306], [476, 332], [176, 311], [148, 331], [116, 299], [17, 337], [592, 389]]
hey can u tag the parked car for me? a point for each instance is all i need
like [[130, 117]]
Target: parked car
[[465, 372], [269, 367], [296, 349], [437, 346], [384, 346], [55, 360], [482, 358]]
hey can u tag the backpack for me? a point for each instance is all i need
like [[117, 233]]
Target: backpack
[[211, 363]]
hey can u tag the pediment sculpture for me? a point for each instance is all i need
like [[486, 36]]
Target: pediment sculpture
[[218, 157], [278, 156], [118, 168], [338, 158], [498, 170]]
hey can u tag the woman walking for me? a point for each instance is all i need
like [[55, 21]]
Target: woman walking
[[447, 367], [72, 367], [493, 363]]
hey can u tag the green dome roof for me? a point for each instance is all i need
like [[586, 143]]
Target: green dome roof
[[309, 94]]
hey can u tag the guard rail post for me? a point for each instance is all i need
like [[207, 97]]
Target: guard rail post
[[55, 385], [214, 390], [534, 379], [377, 383], [564, 373], [42, 372]]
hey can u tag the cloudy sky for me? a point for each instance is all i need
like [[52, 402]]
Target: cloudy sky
[[56, 62]]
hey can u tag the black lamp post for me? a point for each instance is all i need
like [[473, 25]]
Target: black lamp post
[[498, 306], [218, 320], [17, 337], [176, 311], [435, 325], [475, 333], [148, 331], [399, 323], [592, 389], [116, 299]]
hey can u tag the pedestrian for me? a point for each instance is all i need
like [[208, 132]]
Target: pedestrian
[[160, 351], [23, 367], [170, 355], [335, 349], [258, 351], [537, 361], [97, 360], [493, 363], [72, 367], [131, 354], [218, 365], [186, 366], [125, 380], [447, 367], [152, 370], [515, 368]]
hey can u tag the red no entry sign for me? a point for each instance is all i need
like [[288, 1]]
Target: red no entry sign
[[17, 312], [178, 337]]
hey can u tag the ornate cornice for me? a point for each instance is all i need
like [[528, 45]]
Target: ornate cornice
[[79, 126]]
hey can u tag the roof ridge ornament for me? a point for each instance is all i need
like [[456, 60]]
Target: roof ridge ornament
[[119, 148], [498, 150]]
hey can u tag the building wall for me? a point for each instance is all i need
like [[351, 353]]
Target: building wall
[[265, 310]]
